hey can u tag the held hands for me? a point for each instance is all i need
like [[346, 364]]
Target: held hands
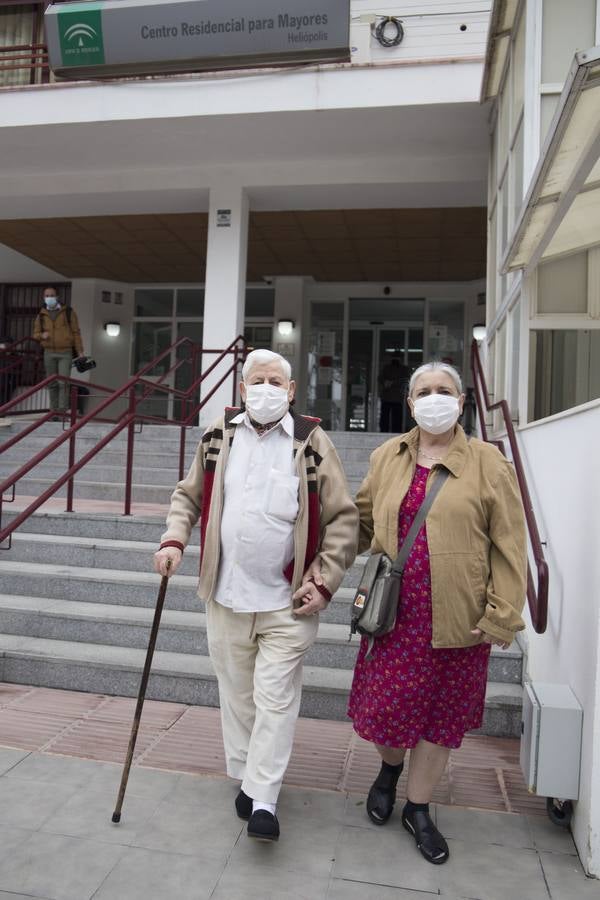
[[161, 558], [488, 639], [308, 596]]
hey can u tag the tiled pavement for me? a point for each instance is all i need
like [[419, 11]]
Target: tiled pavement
[[327, 755], [179, 837]]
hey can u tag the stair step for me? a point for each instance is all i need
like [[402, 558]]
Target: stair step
[[93, 525], [169, 459], [93, 552], [124, 587], [189, 678], [98, 490], [99, 472], [180, 632]]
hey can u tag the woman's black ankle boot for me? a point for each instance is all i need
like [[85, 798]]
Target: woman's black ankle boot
[[382, 796]]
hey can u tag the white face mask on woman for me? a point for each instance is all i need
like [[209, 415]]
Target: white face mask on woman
[[436, 413], [266, 402]]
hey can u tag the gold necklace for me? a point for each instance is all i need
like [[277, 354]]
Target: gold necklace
[[435, 458]]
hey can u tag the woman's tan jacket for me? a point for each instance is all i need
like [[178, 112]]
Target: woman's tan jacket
[[475, 534]]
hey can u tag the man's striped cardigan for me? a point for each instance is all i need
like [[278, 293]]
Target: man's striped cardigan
[[327, 523]]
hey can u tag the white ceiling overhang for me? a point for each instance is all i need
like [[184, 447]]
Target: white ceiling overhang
[[561, 212], [502, 20]]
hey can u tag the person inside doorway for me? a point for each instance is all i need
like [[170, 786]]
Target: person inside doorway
[[392, 382], [56, 328], [271, 496]]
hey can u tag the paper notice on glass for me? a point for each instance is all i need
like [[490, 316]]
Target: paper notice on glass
[[326, 343]]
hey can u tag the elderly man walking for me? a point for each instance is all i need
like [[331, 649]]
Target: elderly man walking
[[271, 496]]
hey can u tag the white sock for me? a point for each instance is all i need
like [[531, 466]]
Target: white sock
[[270, 807]]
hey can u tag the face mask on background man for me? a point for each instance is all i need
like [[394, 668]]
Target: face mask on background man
[[51, 302]]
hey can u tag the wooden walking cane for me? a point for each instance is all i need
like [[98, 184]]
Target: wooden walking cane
[[116, 816]]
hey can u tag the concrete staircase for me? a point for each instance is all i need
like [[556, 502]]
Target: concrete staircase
[[77, 592]]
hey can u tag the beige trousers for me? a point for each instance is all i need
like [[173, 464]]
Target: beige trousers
[[258, 662]]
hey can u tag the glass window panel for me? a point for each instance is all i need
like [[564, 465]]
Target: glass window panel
[[190, 302], [503, 128], [190, 367], [514, 358], [566, 370], [17, 27], [566, 27], [260, 302], [492, 270], [447, 332], [562, 285], [518, 73], [503, 200], [149, 340], [259, 337], [493, 175], [500, 378], [154, 302], [360, 358], [324, 372], [549, 102], [517, 176]]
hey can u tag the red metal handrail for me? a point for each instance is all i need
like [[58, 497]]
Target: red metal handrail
[[537, 600], [128, 420]]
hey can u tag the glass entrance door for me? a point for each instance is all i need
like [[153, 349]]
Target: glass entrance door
[[381, 358]]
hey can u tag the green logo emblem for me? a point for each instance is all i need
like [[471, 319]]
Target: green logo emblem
[[80, 33]]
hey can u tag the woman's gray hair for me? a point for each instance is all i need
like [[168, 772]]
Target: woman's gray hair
[[263, 358], [435, 367]]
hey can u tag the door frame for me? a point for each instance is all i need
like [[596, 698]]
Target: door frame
[[376, 329]]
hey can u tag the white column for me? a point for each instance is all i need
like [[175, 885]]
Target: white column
[[289, 300], [225, 287]]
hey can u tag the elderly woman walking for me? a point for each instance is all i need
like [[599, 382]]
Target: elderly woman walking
[[423, 685]]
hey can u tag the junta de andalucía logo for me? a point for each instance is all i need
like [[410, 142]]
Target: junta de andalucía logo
[[80, 35]]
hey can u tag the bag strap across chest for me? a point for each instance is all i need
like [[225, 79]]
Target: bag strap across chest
[[407, 544]]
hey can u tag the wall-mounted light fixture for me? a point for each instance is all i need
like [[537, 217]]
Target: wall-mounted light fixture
[[479, 332], [113, 329], [285, 327]]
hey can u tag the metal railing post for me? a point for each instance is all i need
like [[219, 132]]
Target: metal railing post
[[182, 436], [235, 365], [130, 446], [72, 439]]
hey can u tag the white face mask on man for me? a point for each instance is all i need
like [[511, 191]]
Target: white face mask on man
[[436, 413], [266, 402], [51, 302]]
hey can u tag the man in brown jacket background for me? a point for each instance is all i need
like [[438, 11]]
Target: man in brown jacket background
[[56, 328]]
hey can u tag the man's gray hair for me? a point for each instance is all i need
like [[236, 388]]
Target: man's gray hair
[[262, 358], [435, 367]]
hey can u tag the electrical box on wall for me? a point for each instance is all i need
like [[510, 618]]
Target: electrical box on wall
[[551, 740]]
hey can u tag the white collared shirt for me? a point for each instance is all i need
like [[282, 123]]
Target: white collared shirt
[[260, 507]]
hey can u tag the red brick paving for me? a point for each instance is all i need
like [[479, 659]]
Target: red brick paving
[[484, 773]]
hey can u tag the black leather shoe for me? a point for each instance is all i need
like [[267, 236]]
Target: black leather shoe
[[263, 826], [428, 839], [243, 805], [382, 796]]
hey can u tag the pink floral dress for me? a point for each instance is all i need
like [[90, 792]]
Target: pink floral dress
[[407, 690]]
